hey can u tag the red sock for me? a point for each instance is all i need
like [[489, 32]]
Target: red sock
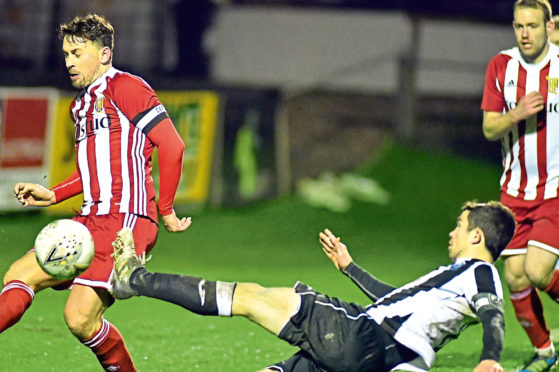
[[553, 287], [108, 346], [15, 298], [529, 312]]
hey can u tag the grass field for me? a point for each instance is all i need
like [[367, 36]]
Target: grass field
[[275, 244]]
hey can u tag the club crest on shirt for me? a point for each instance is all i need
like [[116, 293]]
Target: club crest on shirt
[[552, 84], [98, 105]]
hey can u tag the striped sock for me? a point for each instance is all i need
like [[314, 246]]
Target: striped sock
[[108, 345], [552, 288], [15, 298], [198, 295], [529, 312]]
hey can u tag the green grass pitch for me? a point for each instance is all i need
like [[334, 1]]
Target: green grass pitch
[[275, 244]]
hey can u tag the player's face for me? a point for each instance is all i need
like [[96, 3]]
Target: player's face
[[459, 237], [85, 60], [531, 33]]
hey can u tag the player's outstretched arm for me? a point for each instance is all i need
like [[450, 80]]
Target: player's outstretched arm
[[338, 253], [32, 194], [488, 365], [174, 224], [170, 152]]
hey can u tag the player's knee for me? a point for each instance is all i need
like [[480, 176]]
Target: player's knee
[[80, 324], [6, 278], [538, 277], [518, 283], [246, 294], [14, 272], [251, 299], [27, 270], [252, 292], [517, 279], [252, 289]]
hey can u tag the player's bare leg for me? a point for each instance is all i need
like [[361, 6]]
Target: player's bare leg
[[539, 266], [84, 310], [27, 270], [83, 314], [23, 279], [514, 272], [271, 308]]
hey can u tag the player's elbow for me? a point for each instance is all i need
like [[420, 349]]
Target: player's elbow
[[178, 147], [181, 148], [490, 134], [494, 125]]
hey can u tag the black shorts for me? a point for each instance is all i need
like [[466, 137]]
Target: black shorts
[[333, 336]]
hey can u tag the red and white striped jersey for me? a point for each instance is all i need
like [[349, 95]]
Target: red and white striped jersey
[[113, 119], [531, 149]]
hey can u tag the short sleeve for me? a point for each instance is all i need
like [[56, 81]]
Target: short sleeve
[[493, 98]]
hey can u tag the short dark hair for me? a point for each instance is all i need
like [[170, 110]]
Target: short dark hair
[[93, 27], [495, 220], [544, 5]]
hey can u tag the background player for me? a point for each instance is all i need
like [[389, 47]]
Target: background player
[[118, 123], [520, 108], [554, 37], [402, 330]]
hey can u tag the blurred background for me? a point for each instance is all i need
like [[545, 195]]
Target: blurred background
[[359, 106], [266, 93]]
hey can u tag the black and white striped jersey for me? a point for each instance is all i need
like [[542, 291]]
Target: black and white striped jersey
[[427, 313]]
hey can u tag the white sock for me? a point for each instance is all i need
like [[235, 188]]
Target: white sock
[[548, 351]]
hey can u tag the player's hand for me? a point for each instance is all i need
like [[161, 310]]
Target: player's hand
[[174, 224], [530, 104], [488, 365], [33, 194], [335, 249]]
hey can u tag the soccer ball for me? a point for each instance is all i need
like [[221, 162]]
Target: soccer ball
[[64, 249]]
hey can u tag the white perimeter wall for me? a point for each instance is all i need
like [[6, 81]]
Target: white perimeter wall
[[300, 49]]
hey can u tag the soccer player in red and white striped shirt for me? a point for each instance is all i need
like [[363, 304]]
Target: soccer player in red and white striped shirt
[[119, 121], [521, 109]]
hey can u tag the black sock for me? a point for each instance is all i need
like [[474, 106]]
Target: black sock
[[194, 294]]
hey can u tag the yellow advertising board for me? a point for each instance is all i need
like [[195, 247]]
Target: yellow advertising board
[[195, 115], [62, 159]]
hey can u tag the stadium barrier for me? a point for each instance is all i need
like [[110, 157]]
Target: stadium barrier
[[26, 117]]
